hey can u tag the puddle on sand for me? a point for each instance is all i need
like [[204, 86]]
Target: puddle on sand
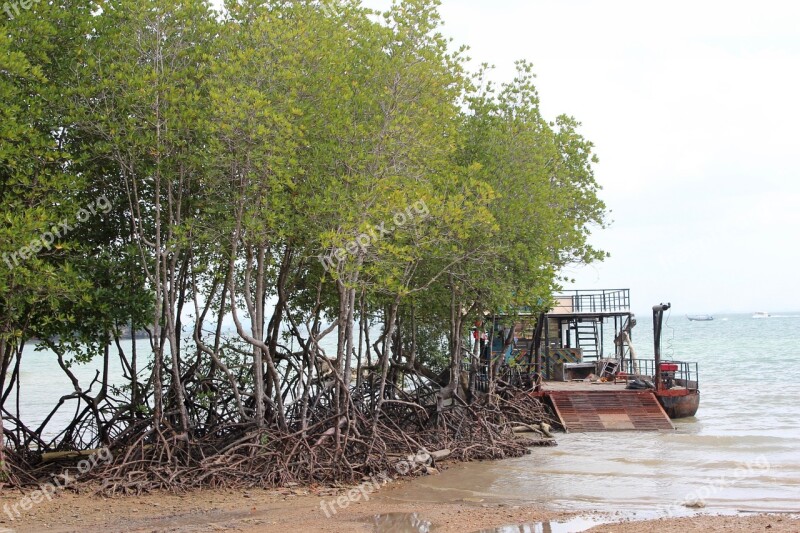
[[413, 523], [400, 523], [570, 526]]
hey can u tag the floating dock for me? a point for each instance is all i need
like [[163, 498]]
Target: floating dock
[[582, 369], [586, 407]]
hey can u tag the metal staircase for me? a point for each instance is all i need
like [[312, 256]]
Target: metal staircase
[[587, 338]]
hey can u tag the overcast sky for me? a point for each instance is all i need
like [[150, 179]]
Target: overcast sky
[[694, 108]]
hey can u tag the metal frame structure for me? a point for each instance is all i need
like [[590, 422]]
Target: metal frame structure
[[566, 326]]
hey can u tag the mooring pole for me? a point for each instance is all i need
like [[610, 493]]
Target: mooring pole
[[658, 319]]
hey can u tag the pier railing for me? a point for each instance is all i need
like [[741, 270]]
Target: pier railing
[[680, 373], [517, 375], [594, 301]]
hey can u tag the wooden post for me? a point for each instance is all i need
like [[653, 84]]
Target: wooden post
[[546, 346], [634, 365], [536, 344], [3, 467], [658, 319]]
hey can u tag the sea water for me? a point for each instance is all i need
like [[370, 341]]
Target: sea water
[[741, 451]]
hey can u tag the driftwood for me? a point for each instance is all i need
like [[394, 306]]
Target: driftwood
[[49, 457], [525, 428]]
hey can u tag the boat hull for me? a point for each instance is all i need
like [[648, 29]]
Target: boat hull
[[682, 406], [700, 318]]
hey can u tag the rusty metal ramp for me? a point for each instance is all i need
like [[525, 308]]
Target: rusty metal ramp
[[581, 411]]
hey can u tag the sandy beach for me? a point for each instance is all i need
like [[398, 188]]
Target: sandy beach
[[302, 509]]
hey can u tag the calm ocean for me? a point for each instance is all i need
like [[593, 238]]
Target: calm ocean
[[742, 451]]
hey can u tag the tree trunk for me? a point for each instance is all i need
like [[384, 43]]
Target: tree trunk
[[256, 327], [349, 342], [385, 360], [3, 351], [456, 321], [361, 326]]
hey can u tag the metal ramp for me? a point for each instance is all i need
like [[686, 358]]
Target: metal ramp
[[584, 411]]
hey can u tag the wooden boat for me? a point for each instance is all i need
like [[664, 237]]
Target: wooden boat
[[679, 405]]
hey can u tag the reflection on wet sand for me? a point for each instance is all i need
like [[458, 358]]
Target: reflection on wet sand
[[413, 523], [570, 526], [400, 523]]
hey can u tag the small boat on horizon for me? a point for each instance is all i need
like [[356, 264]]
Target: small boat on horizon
[[761, 314], [700, 318]]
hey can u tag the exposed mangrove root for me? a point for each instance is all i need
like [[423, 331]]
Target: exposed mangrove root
[[16, 471], [327, 453], [332, 437]]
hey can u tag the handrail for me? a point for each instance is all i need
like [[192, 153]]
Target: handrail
[[687, 372], [597, 301]]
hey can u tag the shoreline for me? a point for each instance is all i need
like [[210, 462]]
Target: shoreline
[[303, 509]]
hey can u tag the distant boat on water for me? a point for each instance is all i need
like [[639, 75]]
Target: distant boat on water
[[761, 314], [700, 318]]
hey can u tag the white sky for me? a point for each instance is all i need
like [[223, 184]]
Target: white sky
[[694, 109]]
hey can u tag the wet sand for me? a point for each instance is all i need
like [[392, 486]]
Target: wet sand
[[300, 510], [294, 511]]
